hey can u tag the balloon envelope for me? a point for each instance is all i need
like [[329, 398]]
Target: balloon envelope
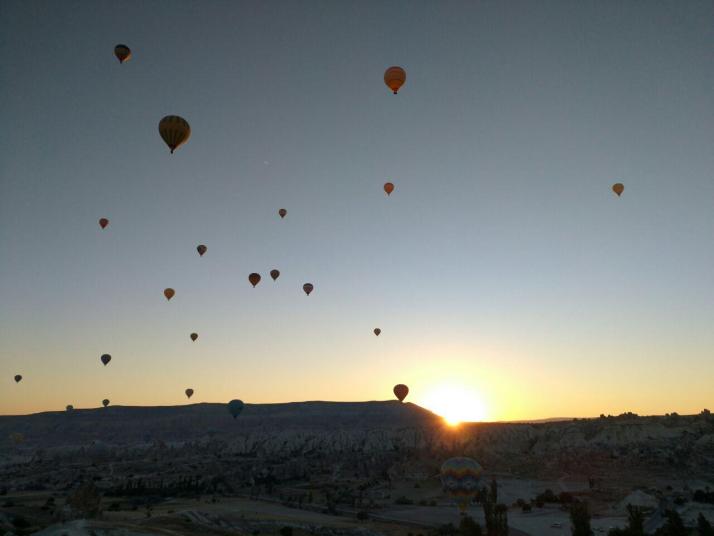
[[401, 391], [274, 274], [395, 77], [103, 222], [282, 212], [169, 293], [105, 402], [388, 187], [106, 358], [377, 331], [69, 407], [307, 287], [254, 279], [122, 52], [18, 377], [460, 478], [235, 407], [175, 131], [201, 249], [618, 188], [194, 336], [189, 393]]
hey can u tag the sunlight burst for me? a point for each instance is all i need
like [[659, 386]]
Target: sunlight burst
[[455, 403]]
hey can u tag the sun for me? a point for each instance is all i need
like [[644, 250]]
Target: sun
[[455, 403]]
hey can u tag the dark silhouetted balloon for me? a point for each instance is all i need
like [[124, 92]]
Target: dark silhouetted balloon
[[274, 274], [169, 293], [388, 187], [235, 407], [103, 222], [308, 288], [377, 331], [18, 377], [618, 188], [175, 131], [194, 336], [395, 77], [106, 358], [201, 249], [460, 478], [122, 52], [282, 212], [254, 279], [401, 391], [69, 407], [105, 402], [189, 393]]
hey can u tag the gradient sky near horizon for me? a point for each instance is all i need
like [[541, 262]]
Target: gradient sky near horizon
[[502, 265]]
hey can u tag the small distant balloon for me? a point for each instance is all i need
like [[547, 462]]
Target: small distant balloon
[[274, 274], [18, 377], [395, 77], [105, 402], [189, 393], [122, 52], [377, 331], [254, 279], [175, 131], [194, 336], [282, 212], [388, 187], [401, 391], [169, 293], [17, 437], [69, 407], [103, 222], [308, 288], [618, 188], [201, 249], [235, 407], [106, 358]]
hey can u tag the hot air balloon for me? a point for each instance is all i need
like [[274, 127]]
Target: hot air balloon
[[175, 131], [17, 437], [401, 391], [122, 52], [377, 331], [69, 407], [282, 212], [201, 249], [460, 479], [194, 336], [307, 287], [395, 77], [189, 393], [18, 377], [105, 402], [388, 187], [103, 222], [235, 407], [169, 293], [254, 279], [274, 274], [618, 188], [106, 358]]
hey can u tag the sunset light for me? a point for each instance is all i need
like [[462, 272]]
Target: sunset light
[[455, 403]]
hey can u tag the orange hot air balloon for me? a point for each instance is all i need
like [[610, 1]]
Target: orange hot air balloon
[[377, 331], [388, 187], [307, 287], [103, 222], [175, 131], [201, 249], [189, 393], [122, 52], [395, 77], [401, 391], [282, 212], [106, 358], [618, 188], [274, 274], [18, 378], [194, 336], [169, 293], [105, 402], [254, 279]]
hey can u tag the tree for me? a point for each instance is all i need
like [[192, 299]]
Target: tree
[[468, 527], [704, 528], [673, 527], [580, 519]]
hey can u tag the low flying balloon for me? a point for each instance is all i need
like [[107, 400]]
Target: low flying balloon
[[103, 222], [194, 336], [189, 393], [274, 274], [618, 188], [401, 391], [282, 212], [169, 293], [105, 402], [17, 437], [175, 131], [201, 249], [106, 358], [69, 407], [18, 377], [254, 279], [395, 77], [388, 187], [122, 52], [235, 407], [377, 331], [460, 478], [307, 287]]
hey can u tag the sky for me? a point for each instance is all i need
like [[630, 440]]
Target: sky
[[507, 278]]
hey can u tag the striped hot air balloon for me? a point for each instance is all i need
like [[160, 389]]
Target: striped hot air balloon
[[460, 478]]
